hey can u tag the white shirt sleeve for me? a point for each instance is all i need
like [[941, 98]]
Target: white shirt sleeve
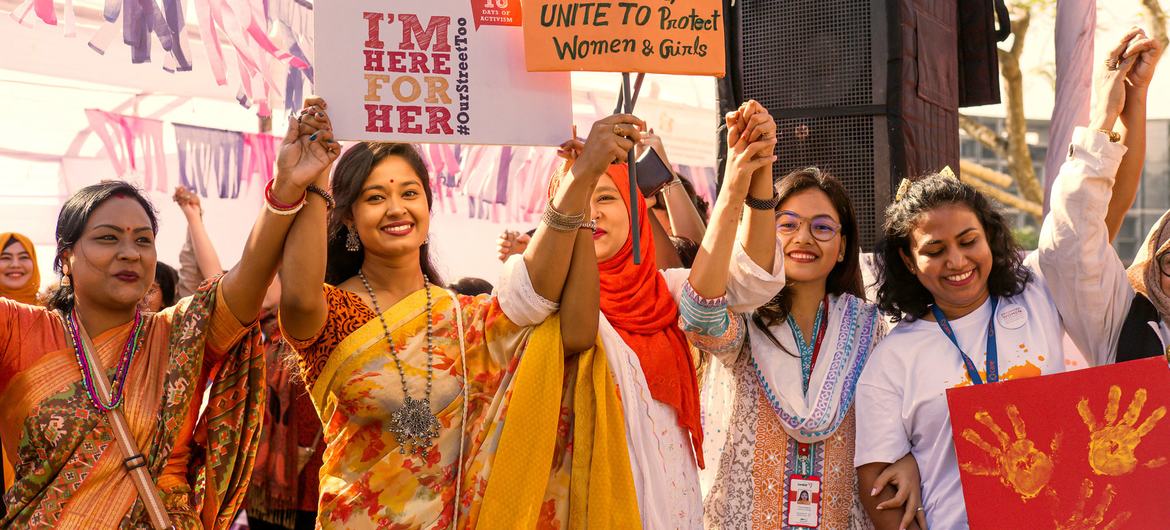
[[1085, 277], [518, 299], [882, 435], [749, 286]]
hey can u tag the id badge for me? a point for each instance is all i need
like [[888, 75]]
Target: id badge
[[804, 501]]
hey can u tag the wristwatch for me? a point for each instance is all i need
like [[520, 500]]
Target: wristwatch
[[762, 204]]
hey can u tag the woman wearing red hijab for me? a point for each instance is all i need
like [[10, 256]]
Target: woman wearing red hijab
[[648, 353]]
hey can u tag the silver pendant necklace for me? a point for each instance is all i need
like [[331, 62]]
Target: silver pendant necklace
[[414, 424]]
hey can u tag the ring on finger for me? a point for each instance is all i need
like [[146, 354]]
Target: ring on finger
[[1113, 64], [921, 509], [618, 129]]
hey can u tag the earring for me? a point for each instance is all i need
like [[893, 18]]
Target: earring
[[352, 243], [65, 281], [427, 241]]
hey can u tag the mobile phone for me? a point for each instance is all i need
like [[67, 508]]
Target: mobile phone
[[653, 174]]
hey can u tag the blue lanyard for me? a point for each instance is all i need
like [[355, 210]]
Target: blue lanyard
[[992, 349]]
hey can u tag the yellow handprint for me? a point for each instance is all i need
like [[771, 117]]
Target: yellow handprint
[[1092, 521], [1112, 444], [1018, 464]]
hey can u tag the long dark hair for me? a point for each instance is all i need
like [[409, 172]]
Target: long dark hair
[[352, 170], [900, 294], [71, 223], [846, 275]]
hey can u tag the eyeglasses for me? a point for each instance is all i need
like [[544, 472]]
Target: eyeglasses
[[1164, 263], [822, 227]]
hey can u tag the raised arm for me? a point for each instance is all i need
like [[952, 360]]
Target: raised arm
[[685, 220], [1080, 266], [207, 262], [548, 254], [1133, 127], [303, 309], [749, 170], [581, 300], [301, 159]]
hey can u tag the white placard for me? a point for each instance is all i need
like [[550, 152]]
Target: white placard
[[421, 71]]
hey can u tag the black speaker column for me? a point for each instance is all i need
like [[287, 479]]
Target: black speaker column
[[865, 89]]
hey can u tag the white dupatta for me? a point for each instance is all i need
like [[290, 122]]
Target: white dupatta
[[853, 328]]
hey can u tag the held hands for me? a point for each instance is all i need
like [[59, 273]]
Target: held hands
[[751, 140], [609, 141], [903, 475], [1128, 66], [307, 149]]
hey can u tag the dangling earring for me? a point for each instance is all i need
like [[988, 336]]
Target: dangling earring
[[352, 243], [427, 241], [65, 281]]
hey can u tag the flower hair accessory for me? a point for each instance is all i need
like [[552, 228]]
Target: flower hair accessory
[[902, 189], [904, 186]]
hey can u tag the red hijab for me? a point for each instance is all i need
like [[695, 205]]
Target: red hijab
[[637, 302]]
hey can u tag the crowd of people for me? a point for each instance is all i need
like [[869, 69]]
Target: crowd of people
[[332, 379]]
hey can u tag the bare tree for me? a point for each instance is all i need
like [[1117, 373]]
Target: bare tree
[[1156, 16]]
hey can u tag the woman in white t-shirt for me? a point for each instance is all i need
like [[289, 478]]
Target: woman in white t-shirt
[[948, 261]]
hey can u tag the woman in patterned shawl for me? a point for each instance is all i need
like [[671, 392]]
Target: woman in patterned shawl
[[72, 472], [790, 385], [411, 382]]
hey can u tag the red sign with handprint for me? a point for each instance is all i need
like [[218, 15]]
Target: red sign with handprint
[[1079, 450]]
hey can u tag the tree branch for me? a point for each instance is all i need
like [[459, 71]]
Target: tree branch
[[991, 190], [984, 173], [1019, 156], [1157, 17], [984, 135]]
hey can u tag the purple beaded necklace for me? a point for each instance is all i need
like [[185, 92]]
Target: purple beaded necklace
[[85, 360]]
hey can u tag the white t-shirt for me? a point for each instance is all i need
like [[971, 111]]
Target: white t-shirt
[[901, 397]]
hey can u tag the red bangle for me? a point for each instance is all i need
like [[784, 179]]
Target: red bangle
[[277, 204]]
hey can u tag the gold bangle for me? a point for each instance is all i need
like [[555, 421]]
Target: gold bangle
[[561, 222]]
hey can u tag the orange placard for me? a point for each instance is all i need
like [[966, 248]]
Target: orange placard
[[1084, 449], [647, 36]]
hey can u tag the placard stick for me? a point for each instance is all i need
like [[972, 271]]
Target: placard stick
[[632, 160], [625, 104]]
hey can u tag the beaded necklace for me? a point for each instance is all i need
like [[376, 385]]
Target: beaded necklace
[[86, 361], [414, 424]]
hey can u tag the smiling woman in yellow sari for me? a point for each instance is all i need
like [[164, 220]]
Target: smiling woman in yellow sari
[[412, 383], [106, 432]]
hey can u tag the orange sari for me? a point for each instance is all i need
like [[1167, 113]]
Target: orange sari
[[70, 469]]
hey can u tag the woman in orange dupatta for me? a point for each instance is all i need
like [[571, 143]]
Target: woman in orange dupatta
[[20, 278], [72, 472]]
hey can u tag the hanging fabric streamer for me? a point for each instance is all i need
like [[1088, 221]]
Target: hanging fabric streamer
[[259, 157], [134, 145], [210, 160], [244, 25]]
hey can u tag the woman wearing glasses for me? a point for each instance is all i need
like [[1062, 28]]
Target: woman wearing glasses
[[791, 431], [1131, 308]]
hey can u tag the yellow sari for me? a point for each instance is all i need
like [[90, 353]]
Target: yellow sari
[[366, 482]]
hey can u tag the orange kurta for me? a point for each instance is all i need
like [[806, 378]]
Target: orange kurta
[[39, 390]]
